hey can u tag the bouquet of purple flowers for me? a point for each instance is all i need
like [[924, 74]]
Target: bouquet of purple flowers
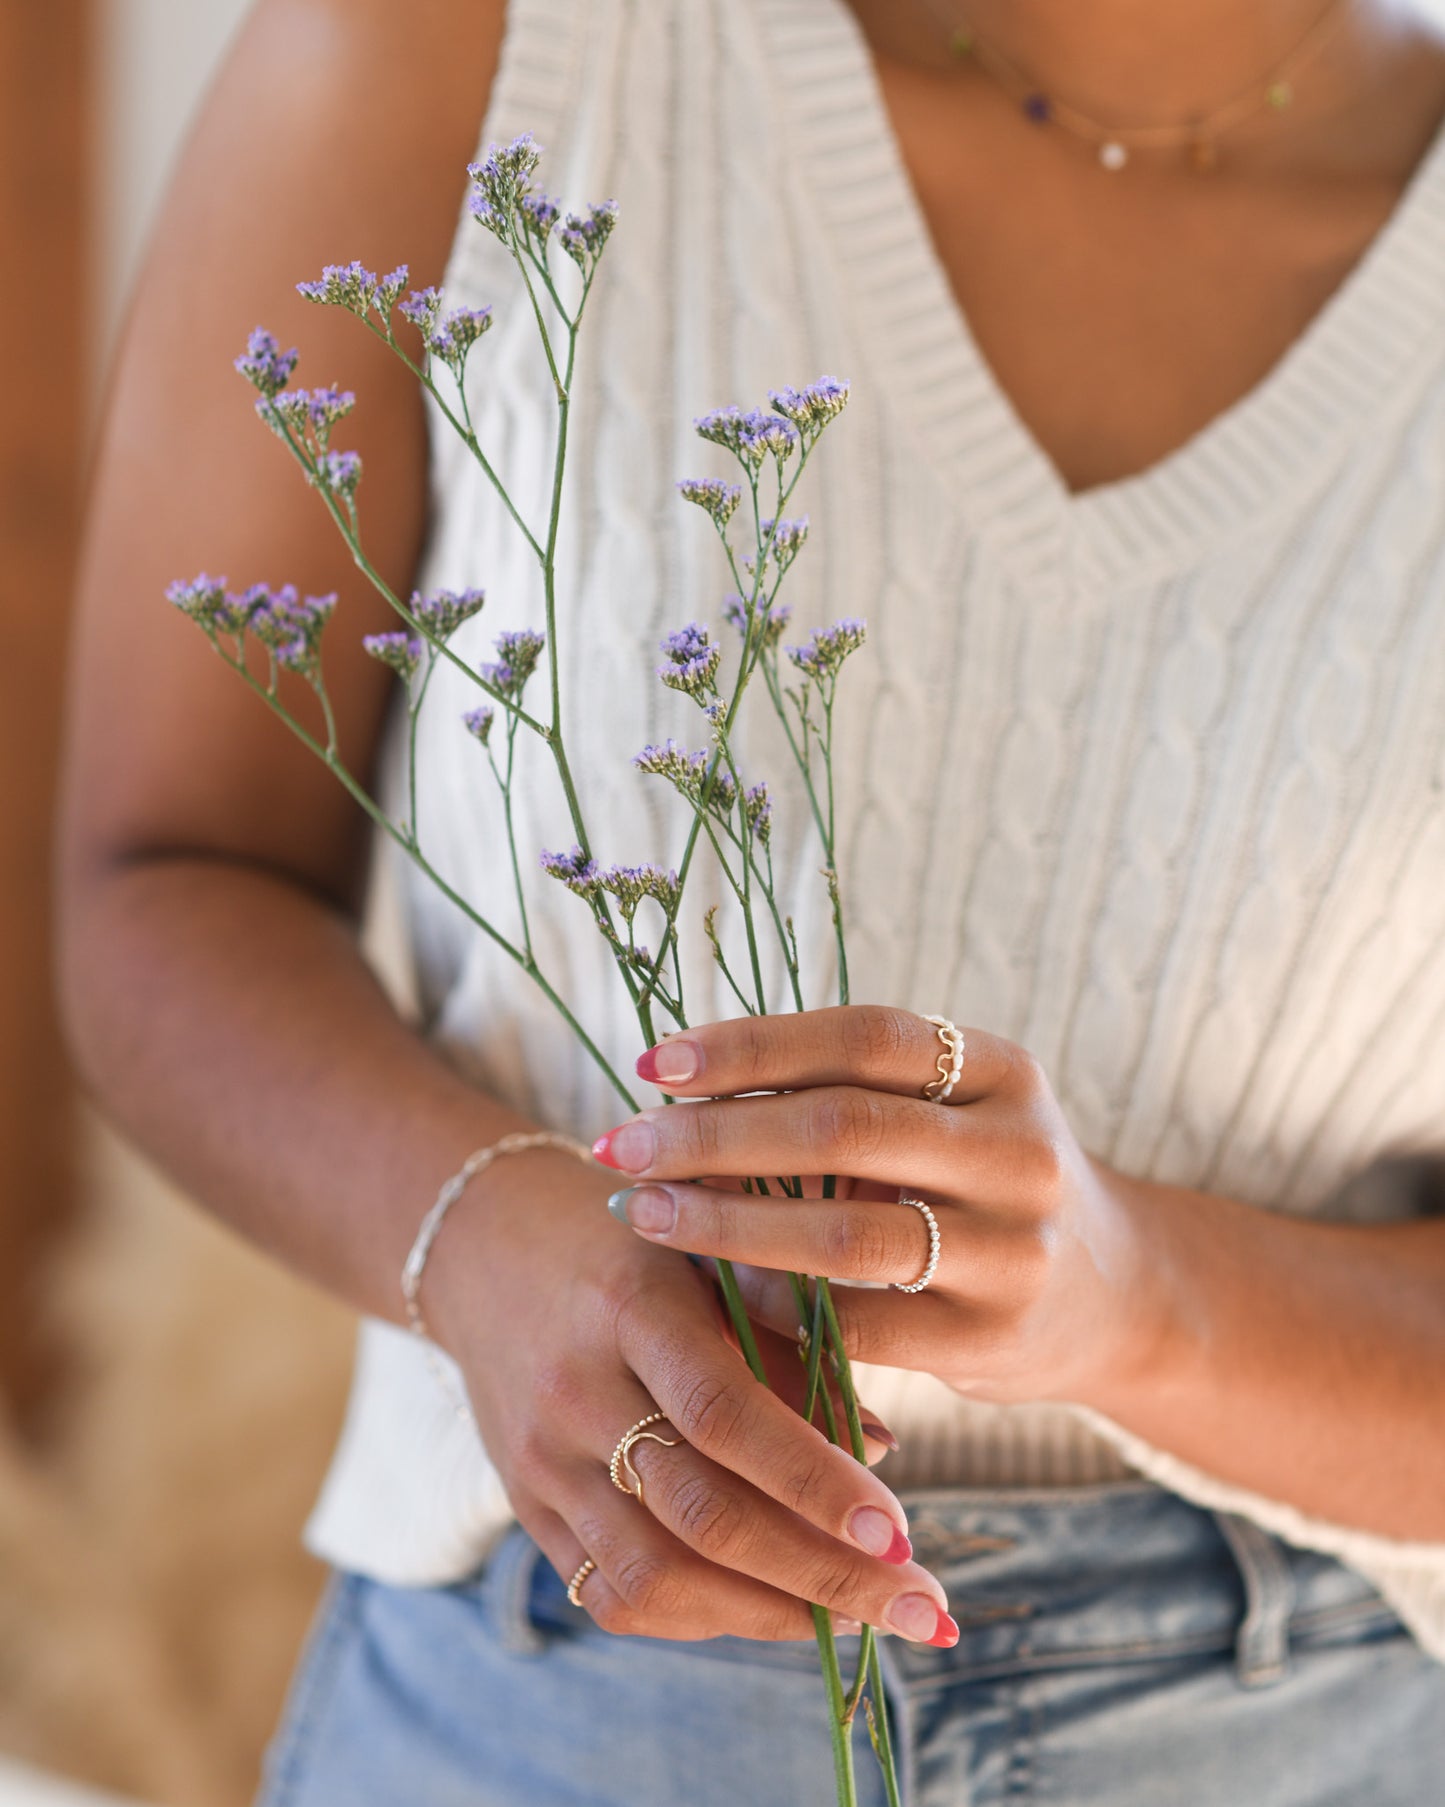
[[557, 256]]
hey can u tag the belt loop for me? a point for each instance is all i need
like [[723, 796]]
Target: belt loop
[[507, 1593], [1261, 1651]]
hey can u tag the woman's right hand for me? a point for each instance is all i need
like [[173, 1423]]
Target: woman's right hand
[[568, 1331]]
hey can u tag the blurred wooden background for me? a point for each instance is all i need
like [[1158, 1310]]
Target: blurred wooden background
[[168, 1400]]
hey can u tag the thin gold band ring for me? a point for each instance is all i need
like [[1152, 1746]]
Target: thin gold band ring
[[621, 1462]]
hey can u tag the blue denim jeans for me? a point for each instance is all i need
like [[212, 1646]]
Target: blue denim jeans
[[1119, 1647]]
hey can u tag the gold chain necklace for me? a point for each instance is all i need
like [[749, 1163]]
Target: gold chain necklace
[[1198, 138]]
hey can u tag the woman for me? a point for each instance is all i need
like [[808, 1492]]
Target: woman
[[1142, 494]]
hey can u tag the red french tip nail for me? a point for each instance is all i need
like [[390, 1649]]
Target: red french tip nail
[[947, 1634], [647, 1065], [900, 1550], [602, 1152]]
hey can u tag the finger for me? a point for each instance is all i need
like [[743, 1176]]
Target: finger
[[646, 1582], [786, 1359], [879, 1243], [831, 1129], [734, 1526], [707, 1391], [890, 1329], [872, 1045]]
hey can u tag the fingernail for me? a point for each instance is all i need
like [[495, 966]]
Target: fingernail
[[846, 1628], [649, 1208], [876, 1533], [920, 1618], [672, 1060], [630, 1148], [880, 1433]]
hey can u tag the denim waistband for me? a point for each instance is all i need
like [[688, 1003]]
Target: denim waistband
[[1049, 1578]]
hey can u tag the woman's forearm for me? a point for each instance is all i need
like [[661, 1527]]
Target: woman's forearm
[[227, 1020], [1300, 1360]]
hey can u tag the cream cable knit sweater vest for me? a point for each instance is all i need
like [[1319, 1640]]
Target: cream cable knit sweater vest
[[1188, 834]]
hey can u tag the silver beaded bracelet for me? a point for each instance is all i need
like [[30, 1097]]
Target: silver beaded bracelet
[[415, 1264]]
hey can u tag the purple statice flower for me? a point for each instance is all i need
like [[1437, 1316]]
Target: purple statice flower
[[824, 654], [298, 409], [758, 808], [810, 409], [630, 884], [389, 288], [774, 619], [518, 653], [501, 180], [263, 363], [421, 307], [687, 772], [716, 498], [692, 661], [401, 651], [584, 239], [575, 870], [338, 472], [749, 436], [288, 625], [351, 286], [443, 612], [209, 604], [479, 722], [785, 539], [538, 214], [456, 335], [329, 405]]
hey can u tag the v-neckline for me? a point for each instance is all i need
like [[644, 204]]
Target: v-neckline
[[1281, 433]]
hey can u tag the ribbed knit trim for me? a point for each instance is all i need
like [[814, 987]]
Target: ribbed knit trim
[[1282, 436]]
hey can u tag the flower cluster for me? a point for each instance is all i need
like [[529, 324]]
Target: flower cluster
[[338, 473], [575, 870], [692, 662], [517, 656], [444, 612], [355, 288], [479, 722], [422, 307], [750, 435], [716, 498], [785, 539], [688, 772], [774, 619], [812, 408], [630, 884], [758, 808], [457, 334], [584, 239], [206, 601], [263, 363], [297, 413], [401, 651], [502, 180], [287, 624], [824, 654]]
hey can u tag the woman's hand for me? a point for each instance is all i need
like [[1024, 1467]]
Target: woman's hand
[[1046, 1286], [568, 1332]]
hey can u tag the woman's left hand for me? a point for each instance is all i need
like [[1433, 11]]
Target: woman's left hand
[[1049, 1284]]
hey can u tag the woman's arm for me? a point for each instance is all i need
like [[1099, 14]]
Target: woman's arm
[[212, 872], [1300, 1360]]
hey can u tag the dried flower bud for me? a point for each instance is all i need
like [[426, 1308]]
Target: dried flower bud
[[575, 870], [828, 648], [692, 661], [264, 365], [401, 651], [716, 498]]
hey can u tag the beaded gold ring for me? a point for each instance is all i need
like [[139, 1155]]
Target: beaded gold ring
[[574, 1586], [622, 1456], [950, 1060]]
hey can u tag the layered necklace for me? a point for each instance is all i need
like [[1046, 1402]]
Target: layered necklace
[[1196, 138]]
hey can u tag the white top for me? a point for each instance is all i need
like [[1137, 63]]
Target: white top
[[1189, 841]]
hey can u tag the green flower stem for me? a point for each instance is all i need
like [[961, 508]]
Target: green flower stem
[[413, 710], [504, 785], [840, 1726], [408, 845], [878, 1726], [742, 1324]]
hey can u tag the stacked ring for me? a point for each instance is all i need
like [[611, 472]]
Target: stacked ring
[[950, 1061], [934, 1245], [622, 1455], [574, 1586]]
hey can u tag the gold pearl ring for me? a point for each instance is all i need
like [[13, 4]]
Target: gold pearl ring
[[949, 1063], [574, 1586], [621, 1462]]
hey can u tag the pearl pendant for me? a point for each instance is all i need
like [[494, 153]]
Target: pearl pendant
[[1113, 155]]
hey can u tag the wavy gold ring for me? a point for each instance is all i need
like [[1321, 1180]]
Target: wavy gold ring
[[621, 1462]]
